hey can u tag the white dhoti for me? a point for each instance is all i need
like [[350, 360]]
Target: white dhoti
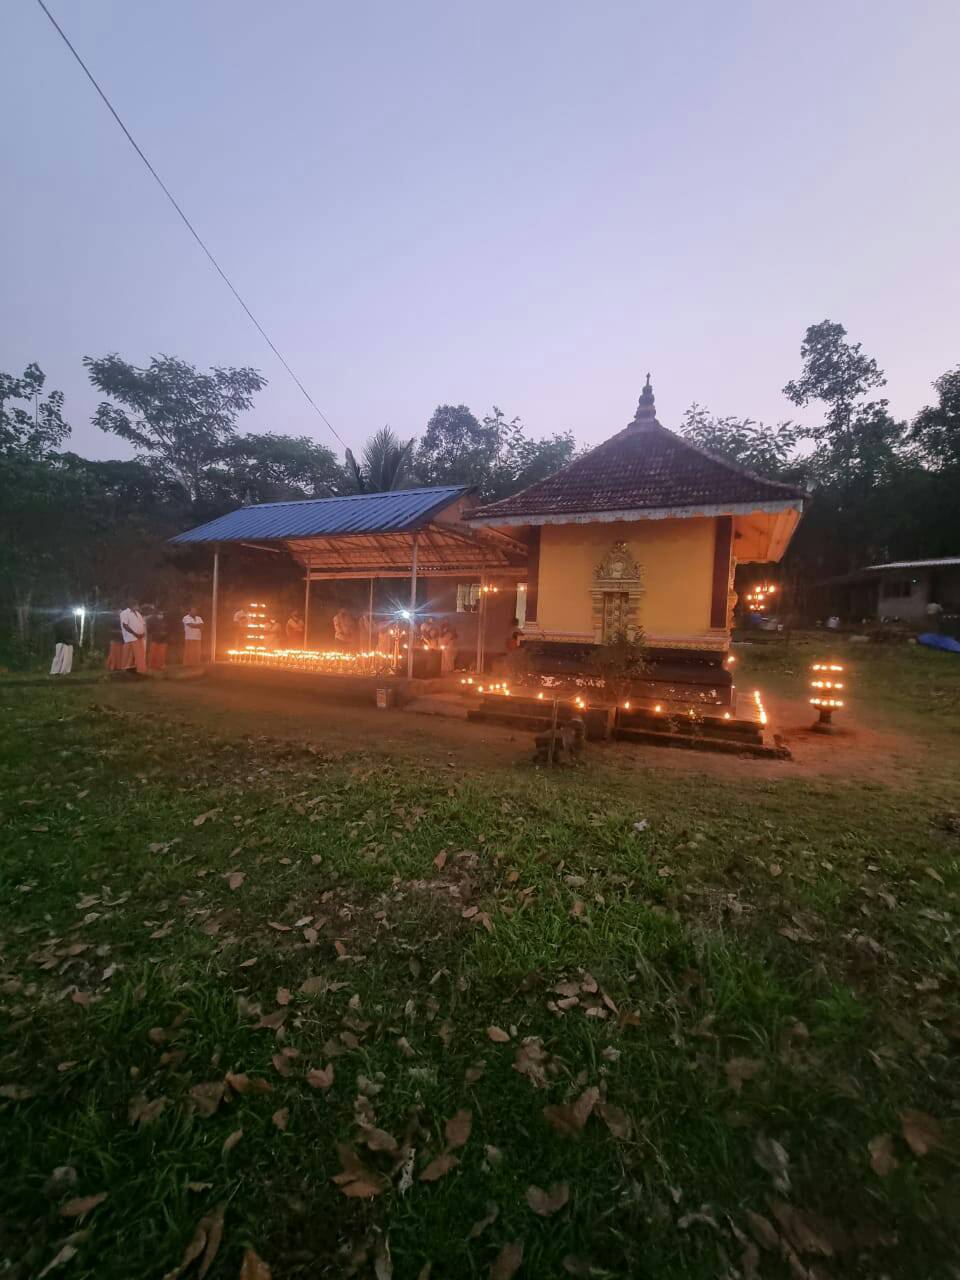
[[62, 660]]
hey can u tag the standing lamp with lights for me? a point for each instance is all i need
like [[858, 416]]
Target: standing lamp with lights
[[827, 682]]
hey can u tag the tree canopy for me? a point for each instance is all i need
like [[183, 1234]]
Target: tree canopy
[[30, 432], [178, 418], [882, 488]]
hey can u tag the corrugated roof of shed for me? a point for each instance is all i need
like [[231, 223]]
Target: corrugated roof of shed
[[393, 512]]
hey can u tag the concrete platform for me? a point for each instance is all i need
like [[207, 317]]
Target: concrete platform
[[738, 728]]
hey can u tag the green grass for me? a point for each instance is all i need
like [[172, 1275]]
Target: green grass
[[110, 890]]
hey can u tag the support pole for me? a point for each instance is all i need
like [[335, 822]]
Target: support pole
[[306, 608], [481, 608], [214, 604], [413, 607], [370, 621]]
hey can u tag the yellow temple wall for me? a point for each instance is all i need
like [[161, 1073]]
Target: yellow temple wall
[[677, 561]]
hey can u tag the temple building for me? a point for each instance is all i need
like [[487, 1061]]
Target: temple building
[[515, 600], [644, 531]]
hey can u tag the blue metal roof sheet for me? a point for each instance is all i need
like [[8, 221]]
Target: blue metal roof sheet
[[394, 512]]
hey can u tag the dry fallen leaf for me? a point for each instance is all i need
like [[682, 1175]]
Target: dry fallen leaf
[[80, 1205], [143, 1110], [382, 1261], [773, 1157], [921, 1131], [236, 878], [15, 1092], [231, 1141], [740, 1069], [546, 1203], [201, 818], [764, 1232], [206, 1241], [532, 1060], [487, 1220], [569, 1118], [320, 1079], [575, 1265], [357, 1180], [272, 1021], [253, 1267], [239, 1082], [882, 1160], [616, 1120], [458, 1129], [440, 861], [379, 1140], [67, 1252], [809, 1232], [206, 1098], [439, 1167], [507, 1262], [281, 1117], [283, 995], [498, 1035]]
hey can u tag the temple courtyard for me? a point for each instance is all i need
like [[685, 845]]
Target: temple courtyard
[[368, 992]]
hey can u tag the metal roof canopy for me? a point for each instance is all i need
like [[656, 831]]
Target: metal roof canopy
[[369, 535]]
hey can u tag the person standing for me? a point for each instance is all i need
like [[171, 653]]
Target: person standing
[[134, 632], [295, 631], [240, 620], [115, 651], [192, 638], [343, 629], [65, 637], [158, 635]]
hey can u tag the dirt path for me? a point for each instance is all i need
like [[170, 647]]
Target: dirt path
[[860, 752]]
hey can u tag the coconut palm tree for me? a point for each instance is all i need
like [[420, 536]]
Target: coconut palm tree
[[387, 463]]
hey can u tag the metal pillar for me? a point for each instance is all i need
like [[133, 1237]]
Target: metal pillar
[[306, 608], [370, 621], [411, 629], [481, 610], [214, 604]]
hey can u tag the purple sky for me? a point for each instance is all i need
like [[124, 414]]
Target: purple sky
[[523, 204]]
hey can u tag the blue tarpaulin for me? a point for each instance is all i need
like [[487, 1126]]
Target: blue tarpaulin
[[934, 641]]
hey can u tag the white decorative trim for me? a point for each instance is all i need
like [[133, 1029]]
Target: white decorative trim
[[646, 513]]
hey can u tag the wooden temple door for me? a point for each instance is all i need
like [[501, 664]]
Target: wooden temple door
[[614, 614]]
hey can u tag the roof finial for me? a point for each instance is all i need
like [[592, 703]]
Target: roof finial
[[646, 409]]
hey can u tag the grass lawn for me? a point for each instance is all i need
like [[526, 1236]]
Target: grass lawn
[[384, 1017]]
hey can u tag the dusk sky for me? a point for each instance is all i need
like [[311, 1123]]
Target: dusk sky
[[523, 204]]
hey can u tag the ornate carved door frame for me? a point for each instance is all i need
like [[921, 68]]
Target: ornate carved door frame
[[618, 571]]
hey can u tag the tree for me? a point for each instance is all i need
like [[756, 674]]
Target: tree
[[457, 448], [33, 432], [936, 428], [178, 417], [837, 373], [767, 450], [521, 460], [494, 454], [387, 464], [272, 468]]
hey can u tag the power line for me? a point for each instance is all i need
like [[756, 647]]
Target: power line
[[189, 225]]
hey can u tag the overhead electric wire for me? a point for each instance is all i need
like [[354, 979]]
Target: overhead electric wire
[[189, 225]]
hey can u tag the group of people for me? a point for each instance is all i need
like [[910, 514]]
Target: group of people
[[437, 635], [140, 638]]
